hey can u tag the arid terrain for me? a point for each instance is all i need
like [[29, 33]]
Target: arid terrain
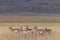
[[27, 18], [6, 34]]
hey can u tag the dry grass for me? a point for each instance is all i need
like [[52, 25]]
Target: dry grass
[[6, 34]]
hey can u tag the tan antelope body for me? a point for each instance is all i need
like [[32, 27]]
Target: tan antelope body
[[31, 31], [14, 29]]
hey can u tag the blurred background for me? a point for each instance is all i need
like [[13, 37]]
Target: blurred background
[[30, 11], [34, 6]]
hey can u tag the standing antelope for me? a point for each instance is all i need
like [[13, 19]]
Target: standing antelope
[[41, 31], [34, 29], [14, 29], [48, 30], [29, 30]]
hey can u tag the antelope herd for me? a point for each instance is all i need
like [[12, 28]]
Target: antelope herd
[[31, 30]]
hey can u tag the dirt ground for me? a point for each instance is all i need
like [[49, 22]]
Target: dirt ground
[[6, 34]]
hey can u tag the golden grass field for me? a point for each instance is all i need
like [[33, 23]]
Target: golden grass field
[[49, 21], [6, 34]]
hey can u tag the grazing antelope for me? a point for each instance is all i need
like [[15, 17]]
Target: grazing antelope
[[14, 29]]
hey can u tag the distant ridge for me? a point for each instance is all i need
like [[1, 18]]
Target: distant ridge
[[34, 6]]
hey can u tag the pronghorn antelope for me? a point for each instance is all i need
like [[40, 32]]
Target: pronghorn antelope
[[27, 30], [48, 30], [22, 30], [41, 31], [37, 31], [34, 29], [14, 29], [44, 31]]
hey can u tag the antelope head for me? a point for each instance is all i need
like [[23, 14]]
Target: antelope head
[[10, 27]]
